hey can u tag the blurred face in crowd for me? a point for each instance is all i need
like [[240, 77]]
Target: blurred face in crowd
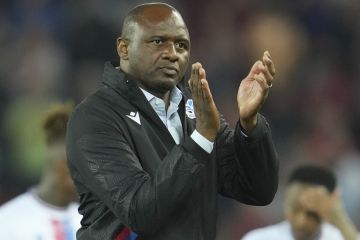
[[157, 52], [305, 221], [63, 182]]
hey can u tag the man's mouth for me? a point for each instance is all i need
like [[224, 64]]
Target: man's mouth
[[169, 70]]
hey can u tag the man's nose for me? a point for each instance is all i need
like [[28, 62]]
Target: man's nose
[[300, 220], [170, 52]]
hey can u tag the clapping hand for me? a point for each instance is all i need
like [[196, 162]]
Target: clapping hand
[[207, 115], [254, 90]]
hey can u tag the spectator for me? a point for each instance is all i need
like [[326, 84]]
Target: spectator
[[49, 209]]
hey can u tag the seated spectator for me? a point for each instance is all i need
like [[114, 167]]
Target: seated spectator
[[313, 210]]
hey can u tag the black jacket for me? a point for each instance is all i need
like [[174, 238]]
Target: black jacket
[[135, 175]]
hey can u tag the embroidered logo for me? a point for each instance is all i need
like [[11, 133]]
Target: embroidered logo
[[135, 117], [189, 109]]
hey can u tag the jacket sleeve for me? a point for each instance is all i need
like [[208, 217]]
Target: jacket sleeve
[[109, 168], [247, 166]]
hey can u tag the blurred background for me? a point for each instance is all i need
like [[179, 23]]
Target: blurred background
[[54, 50]]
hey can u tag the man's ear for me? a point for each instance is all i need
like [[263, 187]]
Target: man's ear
[[122, 48]]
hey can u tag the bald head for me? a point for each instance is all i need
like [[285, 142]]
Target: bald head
[[144, 14]]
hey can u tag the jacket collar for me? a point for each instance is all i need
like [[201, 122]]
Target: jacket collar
[[127, 88], [116, 79]]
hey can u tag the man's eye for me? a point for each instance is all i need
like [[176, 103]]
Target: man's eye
[[157, 41], [181, 45]]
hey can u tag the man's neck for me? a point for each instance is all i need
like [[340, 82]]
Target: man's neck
[[49, 193], [165, 97]]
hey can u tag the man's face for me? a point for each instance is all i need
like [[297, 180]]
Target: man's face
[[158, 52], [303, 214]]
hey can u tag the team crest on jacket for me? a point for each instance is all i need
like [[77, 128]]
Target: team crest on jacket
[[189, 109]]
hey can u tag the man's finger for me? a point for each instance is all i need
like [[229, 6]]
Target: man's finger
[[198, 82], [206, 92], [202, 76], [262, 81], [202, 73], [269, 63], [268, 76], [194, 80], [192, 76], [255, 69]]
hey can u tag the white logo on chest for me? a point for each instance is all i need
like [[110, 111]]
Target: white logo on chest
[[135, 117]]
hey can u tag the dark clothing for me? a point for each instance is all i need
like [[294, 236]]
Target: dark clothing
[[135, 175]]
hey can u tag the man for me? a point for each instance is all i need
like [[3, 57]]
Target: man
[[311, 203], [48, 210], [144, 155]]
